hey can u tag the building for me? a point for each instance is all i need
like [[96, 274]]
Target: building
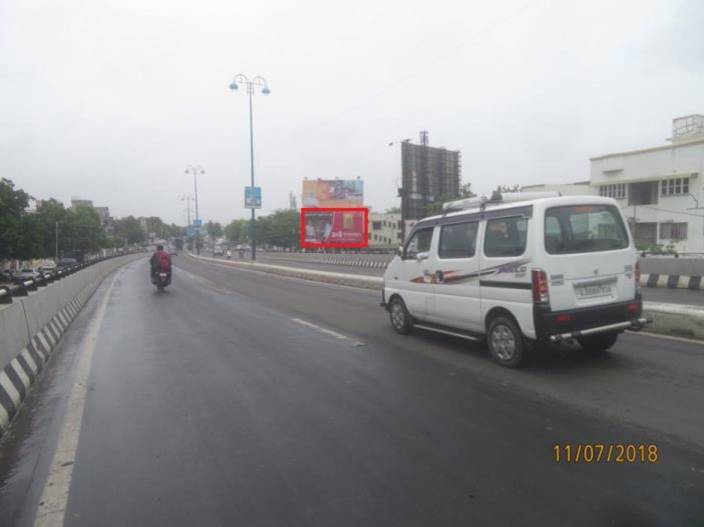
[[105, 219], [385, 230], [428, 173], [660, 188], [579, 188], [78, 202]]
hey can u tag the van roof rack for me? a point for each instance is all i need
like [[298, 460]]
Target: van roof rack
[[496, 199]]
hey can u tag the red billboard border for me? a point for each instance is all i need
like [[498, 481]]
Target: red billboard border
[[333, 245]]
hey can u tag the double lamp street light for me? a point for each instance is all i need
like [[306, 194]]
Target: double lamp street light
[[252, 86]]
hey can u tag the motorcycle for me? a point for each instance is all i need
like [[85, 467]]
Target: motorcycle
[[161, 279]]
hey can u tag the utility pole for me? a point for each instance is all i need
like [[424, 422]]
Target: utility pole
[[56, 241], [195, 170], [252, 85]]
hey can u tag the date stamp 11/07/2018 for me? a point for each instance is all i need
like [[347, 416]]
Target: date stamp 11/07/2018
[[619, 453]]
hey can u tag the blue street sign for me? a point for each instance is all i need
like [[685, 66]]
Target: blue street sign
[[253, 197], [197, 223]]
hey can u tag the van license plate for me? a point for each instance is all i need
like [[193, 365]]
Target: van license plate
[[592, 291]]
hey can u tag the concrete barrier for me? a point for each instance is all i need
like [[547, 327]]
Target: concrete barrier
[[668, 319], [31, 326]]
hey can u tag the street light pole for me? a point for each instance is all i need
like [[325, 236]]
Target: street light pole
[[56, 241], [195, 170], [252, 85]]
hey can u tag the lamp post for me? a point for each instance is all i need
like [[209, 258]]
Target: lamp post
[[257, 83], [195, 170]]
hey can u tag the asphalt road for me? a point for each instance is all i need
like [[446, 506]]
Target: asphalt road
[[239, 398]]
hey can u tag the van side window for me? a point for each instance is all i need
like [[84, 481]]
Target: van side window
[[506, 236], [419, 243], [458, 240]]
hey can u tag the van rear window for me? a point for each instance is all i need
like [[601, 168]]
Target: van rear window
[[584, 229]]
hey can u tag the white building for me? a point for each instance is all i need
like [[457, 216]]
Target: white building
[[384, 230], [660, 188], [580, 188]]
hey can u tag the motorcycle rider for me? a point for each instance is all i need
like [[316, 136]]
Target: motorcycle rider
[[160, 262]]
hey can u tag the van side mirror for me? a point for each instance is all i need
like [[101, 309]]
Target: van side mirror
[[422, 256]]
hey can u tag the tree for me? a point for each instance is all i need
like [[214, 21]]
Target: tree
[[237, 231], [214, 229], [280, 229], [435, 207], [393, 210], [12, 211], [129, 229], [86, 230], [509, 188]]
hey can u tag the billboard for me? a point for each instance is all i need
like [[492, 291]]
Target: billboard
[[334, 227], [333, 193], [252, 197]]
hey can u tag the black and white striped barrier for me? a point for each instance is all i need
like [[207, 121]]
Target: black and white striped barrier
[[672, 281], [33, 320]]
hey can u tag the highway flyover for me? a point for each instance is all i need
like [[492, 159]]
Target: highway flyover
[[243, 398]]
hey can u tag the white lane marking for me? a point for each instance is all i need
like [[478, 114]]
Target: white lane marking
[[54, 500], [327, 331], [9, 388]]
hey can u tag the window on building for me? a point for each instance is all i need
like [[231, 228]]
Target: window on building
[[616, 191], [644, 193], [674, 187], [673, 231], [458, 240], [376, 225], [506, 236]]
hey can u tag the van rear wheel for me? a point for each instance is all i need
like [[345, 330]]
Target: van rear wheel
[[505, 342], [400, 317], [598, 343]]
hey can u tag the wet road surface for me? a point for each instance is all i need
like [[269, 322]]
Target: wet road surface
[[238, 398]]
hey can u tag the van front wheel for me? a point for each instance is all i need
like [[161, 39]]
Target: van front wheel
[[399, 316], [505, 342], [598, 343]]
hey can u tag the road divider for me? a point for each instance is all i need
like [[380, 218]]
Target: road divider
[[32, 325], [667, 319]]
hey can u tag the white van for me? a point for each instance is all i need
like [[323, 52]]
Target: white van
[[519, 269]]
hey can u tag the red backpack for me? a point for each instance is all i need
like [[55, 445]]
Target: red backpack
[[164, 261]]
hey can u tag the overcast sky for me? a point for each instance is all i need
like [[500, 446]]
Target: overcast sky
[[111, 100]]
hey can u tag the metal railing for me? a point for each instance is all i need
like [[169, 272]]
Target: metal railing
[[43, 279]]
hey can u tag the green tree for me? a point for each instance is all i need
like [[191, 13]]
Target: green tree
[[393, 210], [86, 230], [214, 229], [237, 231], [435, 207], [281, 228], [13, 203], [129, 229], [49, 213]]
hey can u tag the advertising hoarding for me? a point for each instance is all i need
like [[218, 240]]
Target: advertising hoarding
[[333, 193], [252, 197], [334, 227]]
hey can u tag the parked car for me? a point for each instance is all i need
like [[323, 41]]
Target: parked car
[[6, 275], [24, 275], [67, 262], [48, 265], [519, 270]]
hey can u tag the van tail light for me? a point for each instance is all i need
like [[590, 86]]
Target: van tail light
[[541, 295], [637, 278]]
